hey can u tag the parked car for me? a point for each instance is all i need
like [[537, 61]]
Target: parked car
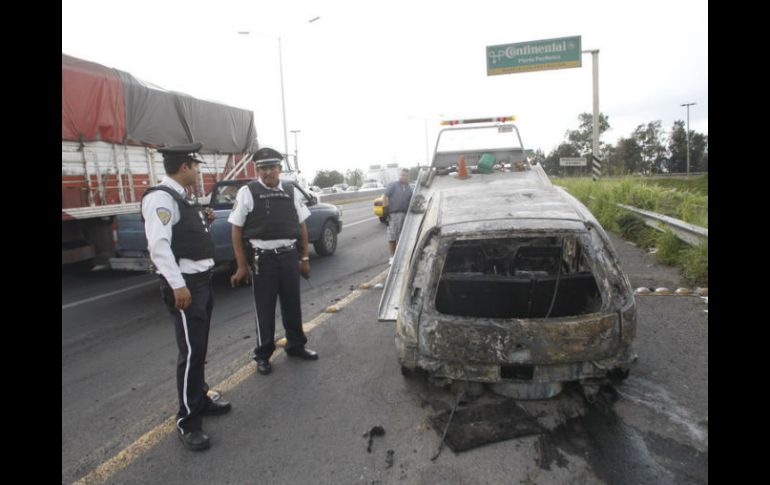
[[323, 226], [352, 188]]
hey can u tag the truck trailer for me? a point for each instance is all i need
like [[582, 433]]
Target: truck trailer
[[112, 125]]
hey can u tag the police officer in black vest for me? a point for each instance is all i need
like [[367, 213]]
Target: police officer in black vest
[[267, 221], [182, 251]]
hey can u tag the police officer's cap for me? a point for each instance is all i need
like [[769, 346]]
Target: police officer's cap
[[182, 152], [267, 156]]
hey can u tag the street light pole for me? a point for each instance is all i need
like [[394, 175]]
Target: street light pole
[[688, 135], [296, 150], [283, 99]]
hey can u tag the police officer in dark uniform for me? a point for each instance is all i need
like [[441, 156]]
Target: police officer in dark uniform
[[182, 251], [267, 221]]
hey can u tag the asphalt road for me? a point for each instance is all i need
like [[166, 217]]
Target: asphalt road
[[304, 423]]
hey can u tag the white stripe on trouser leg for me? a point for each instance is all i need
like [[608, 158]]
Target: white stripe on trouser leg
[[187, 368], [254, 298]]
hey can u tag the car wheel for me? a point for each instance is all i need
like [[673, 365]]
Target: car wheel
[[327, 243], [384, 219]]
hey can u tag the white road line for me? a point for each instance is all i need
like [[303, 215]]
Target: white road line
[[129, 288], [344, 226], [144, 443]]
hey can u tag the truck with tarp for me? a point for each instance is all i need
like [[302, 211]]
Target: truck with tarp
[[112, 125]]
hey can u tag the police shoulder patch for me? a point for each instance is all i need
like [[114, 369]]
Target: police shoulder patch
[[163, 214]]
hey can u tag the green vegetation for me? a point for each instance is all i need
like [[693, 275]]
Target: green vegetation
[[685, 199]]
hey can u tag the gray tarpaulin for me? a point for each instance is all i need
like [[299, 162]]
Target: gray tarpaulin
[[156, 116]]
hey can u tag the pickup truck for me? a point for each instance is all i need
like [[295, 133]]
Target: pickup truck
[[323, 225]]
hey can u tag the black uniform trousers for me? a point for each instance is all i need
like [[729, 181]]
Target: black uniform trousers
[[192, 339], [278, 277]]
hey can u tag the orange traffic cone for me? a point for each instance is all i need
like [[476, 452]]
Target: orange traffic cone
[[463, 173]]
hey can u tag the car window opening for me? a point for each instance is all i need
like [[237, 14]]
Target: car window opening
[[534, 277]]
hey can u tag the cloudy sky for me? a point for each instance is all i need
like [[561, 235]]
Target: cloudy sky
[[363, 81]]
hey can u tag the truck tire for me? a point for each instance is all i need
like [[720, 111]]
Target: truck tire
[[327, 243]]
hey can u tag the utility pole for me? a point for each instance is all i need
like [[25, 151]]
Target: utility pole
[[597, 167], [688, 135]]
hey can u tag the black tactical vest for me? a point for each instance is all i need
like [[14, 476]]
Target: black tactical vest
[[274, 215], [190, 237]]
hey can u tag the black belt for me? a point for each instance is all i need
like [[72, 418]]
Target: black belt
[[195, 277], [281, 250]]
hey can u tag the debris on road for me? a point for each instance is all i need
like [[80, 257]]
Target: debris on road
[[375, 431], [446, 427], [483, 424], [389, 459]]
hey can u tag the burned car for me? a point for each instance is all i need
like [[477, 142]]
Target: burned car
[[500, 277]]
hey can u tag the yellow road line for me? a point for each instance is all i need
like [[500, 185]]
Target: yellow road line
[[109, 468]]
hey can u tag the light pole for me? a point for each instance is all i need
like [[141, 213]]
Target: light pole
[[688, 135], [283, 99], [296, 149]]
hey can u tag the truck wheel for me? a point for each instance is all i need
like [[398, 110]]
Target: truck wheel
[[384, 219], [327, 243]]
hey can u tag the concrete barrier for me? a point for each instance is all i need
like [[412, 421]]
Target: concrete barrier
[[347, 197]]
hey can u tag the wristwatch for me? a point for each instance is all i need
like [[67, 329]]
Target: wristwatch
[[304, 259]]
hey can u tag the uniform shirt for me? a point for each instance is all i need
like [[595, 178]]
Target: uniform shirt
[[399, 196], [244, 203], [158, 228]]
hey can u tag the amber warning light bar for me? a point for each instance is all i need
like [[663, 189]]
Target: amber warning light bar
[[499, 119]]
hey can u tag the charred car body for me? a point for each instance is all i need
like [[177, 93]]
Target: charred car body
[[504, 278]]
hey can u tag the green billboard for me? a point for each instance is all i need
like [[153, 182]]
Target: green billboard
[[537, 55]]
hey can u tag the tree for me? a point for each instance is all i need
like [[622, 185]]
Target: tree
[[354, 177], [677, 148], [699, 155], [551, 163], [627, 156], [327, 178], [650, 139], [582, 138]]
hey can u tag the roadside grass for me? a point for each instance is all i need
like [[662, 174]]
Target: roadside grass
[[685, 199]]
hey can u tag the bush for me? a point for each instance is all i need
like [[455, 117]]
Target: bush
[[685, 199]]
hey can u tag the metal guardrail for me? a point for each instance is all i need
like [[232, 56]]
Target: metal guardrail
[[689, 233]]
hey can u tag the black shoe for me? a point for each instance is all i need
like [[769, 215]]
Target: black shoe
[[220, 406], [195, 440], [264, 367], [303, 353]]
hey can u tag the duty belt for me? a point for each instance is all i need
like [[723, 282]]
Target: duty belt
[[284, 249], [196, 277]]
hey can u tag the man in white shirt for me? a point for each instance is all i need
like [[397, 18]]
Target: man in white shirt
[[267, 221], [182, 251]]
